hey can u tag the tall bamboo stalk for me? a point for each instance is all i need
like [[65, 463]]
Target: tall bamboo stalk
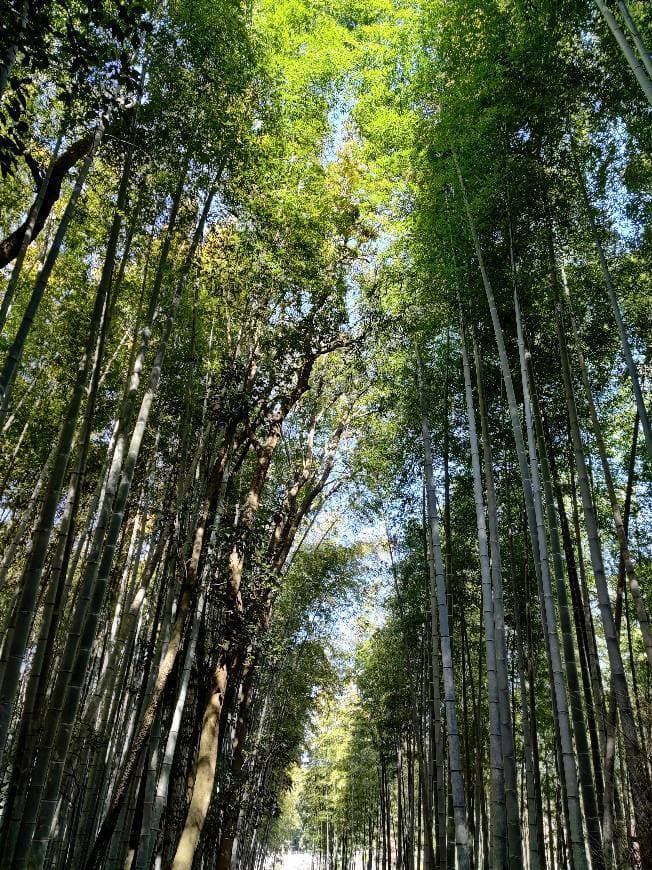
[[635, 754], [502, 665], [454, 750], [14, 356], [629, 54], [615, 307], [498, 815], [641, 610]]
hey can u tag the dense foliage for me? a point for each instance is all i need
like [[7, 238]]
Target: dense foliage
[[326, 453]]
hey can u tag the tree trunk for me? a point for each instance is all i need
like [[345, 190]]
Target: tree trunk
[[506, 727], [635, 755], [12, 363], [438, 736], [641, 610], [498, 816], [630, 55], [27, 237], [31, 577], [107, 530], [636, 36], [583, 756], [615, 307], [454, 752]]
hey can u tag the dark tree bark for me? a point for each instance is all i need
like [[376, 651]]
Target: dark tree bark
[[10, 246]]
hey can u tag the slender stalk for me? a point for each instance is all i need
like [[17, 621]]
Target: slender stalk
[[641, 610], [7, 299], [498, 813], [635, 754], [534, 513], [33, 569], [102, 573], [636, 36], [618, 317], [591, 814], [14, 356], [438, 735], [507, 733], [568, 771], [454, 750], [628, 52]]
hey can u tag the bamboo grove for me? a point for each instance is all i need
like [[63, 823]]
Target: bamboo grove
[[325, 438]]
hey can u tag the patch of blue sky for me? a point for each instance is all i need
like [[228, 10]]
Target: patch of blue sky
[[617, 202], [340, 127]]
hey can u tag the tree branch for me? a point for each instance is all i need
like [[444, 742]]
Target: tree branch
[[10, 246]]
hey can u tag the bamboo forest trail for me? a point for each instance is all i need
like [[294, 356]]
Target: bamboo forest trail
[[325, 437]]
